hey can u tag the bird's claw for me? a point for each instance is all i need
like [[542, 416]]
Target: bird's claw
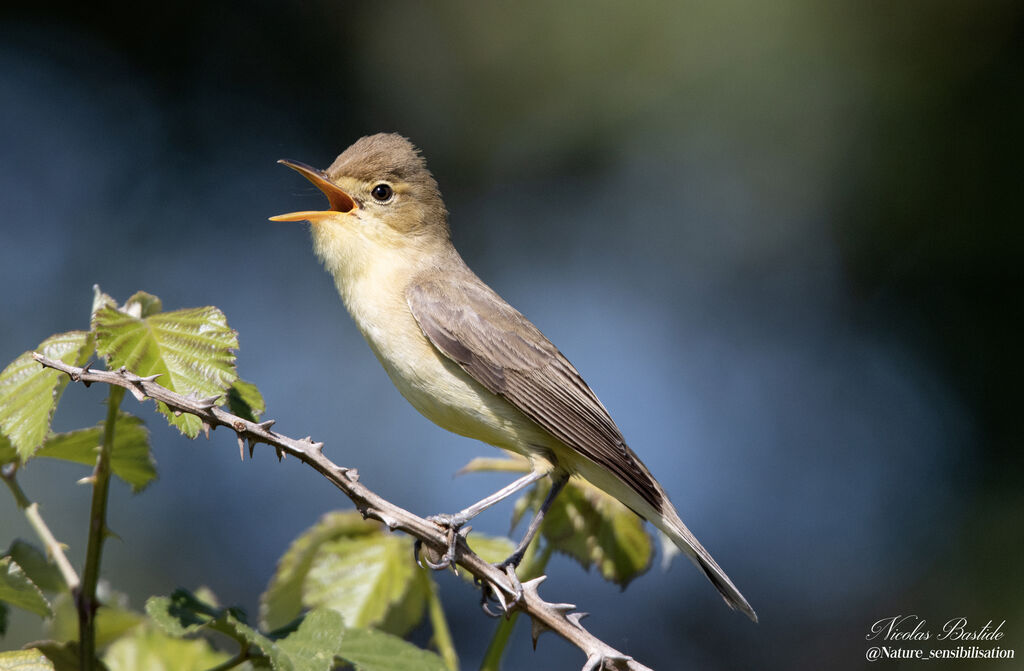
[[454, 529], [491, 592]]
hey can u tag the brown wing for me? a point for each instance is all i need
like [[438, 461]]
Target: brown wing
[[503, 351]]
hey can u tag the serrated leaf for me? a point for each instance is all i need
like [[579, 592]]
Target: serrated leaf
[[314, 645], [181, 613], [29, 392], [147, 649], [245, 400], [25, 660], [130, 459], [39, 569], [282, 601], [18, 590], [371, 650], [361, 578], [596, 530], [191, 349]]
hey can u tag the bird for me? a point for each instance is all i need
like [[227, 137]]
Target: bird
[[460, 354]]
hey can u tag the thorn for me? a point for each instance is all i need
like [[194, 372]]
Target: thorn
[[352, 474], [531, 585], [150, 378], [122, 370], [241, 447], [87, 480], [576, 617], [206, 429], [177, 413], [252, 447], [536, 629], [267, 424], [207, 403], [563, 608], [388, 521], [280, 454]]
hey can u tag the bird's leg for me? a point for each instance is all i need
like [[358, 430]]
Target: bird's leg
[[452, 523], [510, 564], [516, 557]]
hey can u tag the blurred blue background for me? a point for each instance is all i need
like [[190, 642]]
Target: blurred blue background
[[782, 241]]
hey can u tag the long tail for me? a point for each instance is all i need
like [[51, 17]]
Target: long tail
[[668, 521]]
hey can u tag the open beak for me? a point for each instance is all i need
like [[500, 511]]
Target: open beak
[[339, 200]]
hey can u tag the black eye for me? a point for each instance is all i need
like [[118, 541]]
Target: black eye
[[382, 192]]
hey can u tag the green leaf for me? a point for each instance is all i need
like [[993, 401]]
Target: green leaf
[[312, 646], [113, 618], [143, 304], [25, 660], [353, 567], [130, 459], [7, 453], [584, 522], [282, 601], [371, 650], [245, 400], [39, 569], [512, 464], [18, 590], [63, 655], [491, 549], [147, 648], [181, 613], [361, 578], [596, 530], [29, 392], [100, 300], [191, 349]]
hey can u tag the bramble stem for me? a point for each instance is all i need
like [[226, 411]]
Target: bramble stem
[[85, 599], [533, 565], [52, 545]]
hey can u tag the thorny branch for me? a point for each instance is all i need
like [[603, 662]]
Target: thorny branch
[[557, 617]]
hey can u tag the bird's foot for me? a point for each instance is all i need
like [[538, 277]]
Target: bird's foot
[[506, 600], [454, 529]]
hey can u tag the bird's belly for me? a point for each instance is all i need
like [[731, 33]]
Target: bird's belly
[[446, 395]]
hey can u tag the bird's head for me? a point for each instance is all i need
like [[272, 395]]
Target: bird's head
[[379, 188]]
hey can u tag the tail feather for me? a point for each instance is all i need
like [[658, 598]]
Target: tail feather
[[688, 543]]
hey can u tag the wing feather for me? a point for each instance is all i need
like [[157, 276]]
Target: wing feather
[[496, 345]]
